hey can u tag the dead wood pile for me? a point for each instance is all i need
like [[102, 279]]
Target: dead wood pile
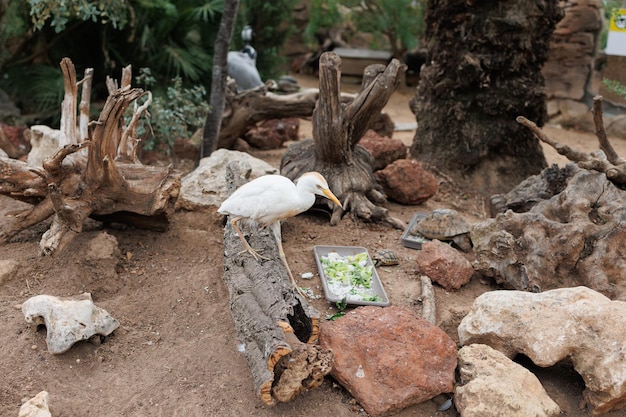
[[562, 228], [95, 173]]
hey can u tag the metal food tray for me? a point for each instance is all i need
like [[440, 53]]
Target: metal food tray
[[410, 240], [377, 286]]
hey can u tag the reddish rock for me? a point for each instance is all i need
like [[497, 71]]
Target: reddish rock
[[14, 140], [407, 182], [384, 150], [388, 358], [271, 134], [444, 265]]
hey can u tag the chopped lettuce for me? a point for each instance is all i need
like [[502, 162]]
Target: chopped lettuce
[[349, 276]]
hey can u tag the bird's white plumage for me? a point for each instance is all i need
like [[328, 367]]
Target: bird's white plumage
[[272, 198]]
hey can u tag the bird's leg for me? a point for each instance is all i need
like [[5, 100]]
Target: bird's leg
[[277, 235], [246, 245]]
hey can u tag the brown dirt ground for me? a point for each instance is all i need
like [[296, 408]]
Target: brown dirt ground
[[175, 353]]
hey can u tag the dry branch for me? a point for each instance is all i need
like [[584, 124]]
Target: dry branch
[[71, 186], [244, 109], [274, 324], [609, 163]]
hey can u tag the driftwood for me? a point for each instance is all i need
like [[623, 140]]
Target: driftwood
[[73, 185], [275, 325], [570, 228], [613, 166], [244, 109], [337, 129]]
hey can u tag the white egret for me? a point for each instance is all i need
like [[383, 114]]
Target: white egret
[[271, 198]]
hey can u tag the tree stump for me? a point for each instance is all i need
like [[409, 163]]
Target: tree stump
[[72, 185], [337, 128], [275, 325]]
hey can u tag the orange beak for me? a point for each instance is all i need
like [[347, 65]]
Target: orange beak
[[329, 194]]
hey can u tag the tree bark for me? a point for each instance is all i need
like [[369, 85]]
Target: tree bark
[[337, 129], [275, 325], [483, 70], [218, 78], [72, 186]]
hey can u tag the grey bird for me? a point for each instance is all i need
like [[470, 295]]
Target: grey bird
[[242, 67]]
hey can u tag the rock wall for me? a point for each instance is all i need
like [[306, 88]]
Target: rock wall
[[573, 50], [574, 71]]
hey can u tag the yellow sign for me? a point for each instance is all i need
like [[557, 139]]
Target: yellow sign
[[618, 21]]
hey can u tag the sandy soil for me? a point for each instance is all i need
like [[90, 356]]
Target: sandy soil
[[175, 351]]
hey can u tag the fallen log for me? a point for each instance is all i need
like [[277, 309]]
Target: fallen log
[[275, 325], [72, 185]]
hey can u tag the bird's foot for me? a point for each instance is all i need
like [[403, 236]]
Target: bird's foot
[[298, 289], [255, 254]]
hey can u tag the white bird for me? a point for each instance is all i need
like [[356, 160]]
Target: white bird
[[271, 198]]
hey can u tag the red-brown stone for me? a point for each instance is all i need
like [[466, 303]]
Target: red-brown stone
[[407, 182], [388, 358], [272, 133], [444, 265], [384, 150]]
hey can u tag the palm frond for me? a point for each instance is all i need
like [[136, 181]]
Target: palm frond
[[207, 12]]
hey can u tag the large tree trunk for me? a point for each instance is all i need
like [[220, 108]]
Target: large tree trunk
[[337, 128], [103, 183], [483, 71]]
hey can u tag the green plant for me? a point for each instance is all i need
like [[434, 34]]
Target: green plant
[[341, 306], [174, 38], [61, 12], [271, 23], [615, 86], [176, 113], [399, 22]]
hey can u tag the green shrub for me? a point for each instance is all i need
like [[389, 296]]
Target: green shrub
[[176, 113]]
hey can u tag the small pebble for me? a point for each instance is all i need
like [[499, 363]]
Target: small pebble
[[33, 347], [446, 405]]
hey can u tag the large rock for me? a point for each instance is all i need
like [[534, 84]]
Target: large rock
[[272, 133], [444, 265], [206, 185], [407, 182], [573, 49], [44, 142], [388, 358], [13, 140], [492, 385], [384, 150], [68, 320], [575, 324], [36, 406]]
